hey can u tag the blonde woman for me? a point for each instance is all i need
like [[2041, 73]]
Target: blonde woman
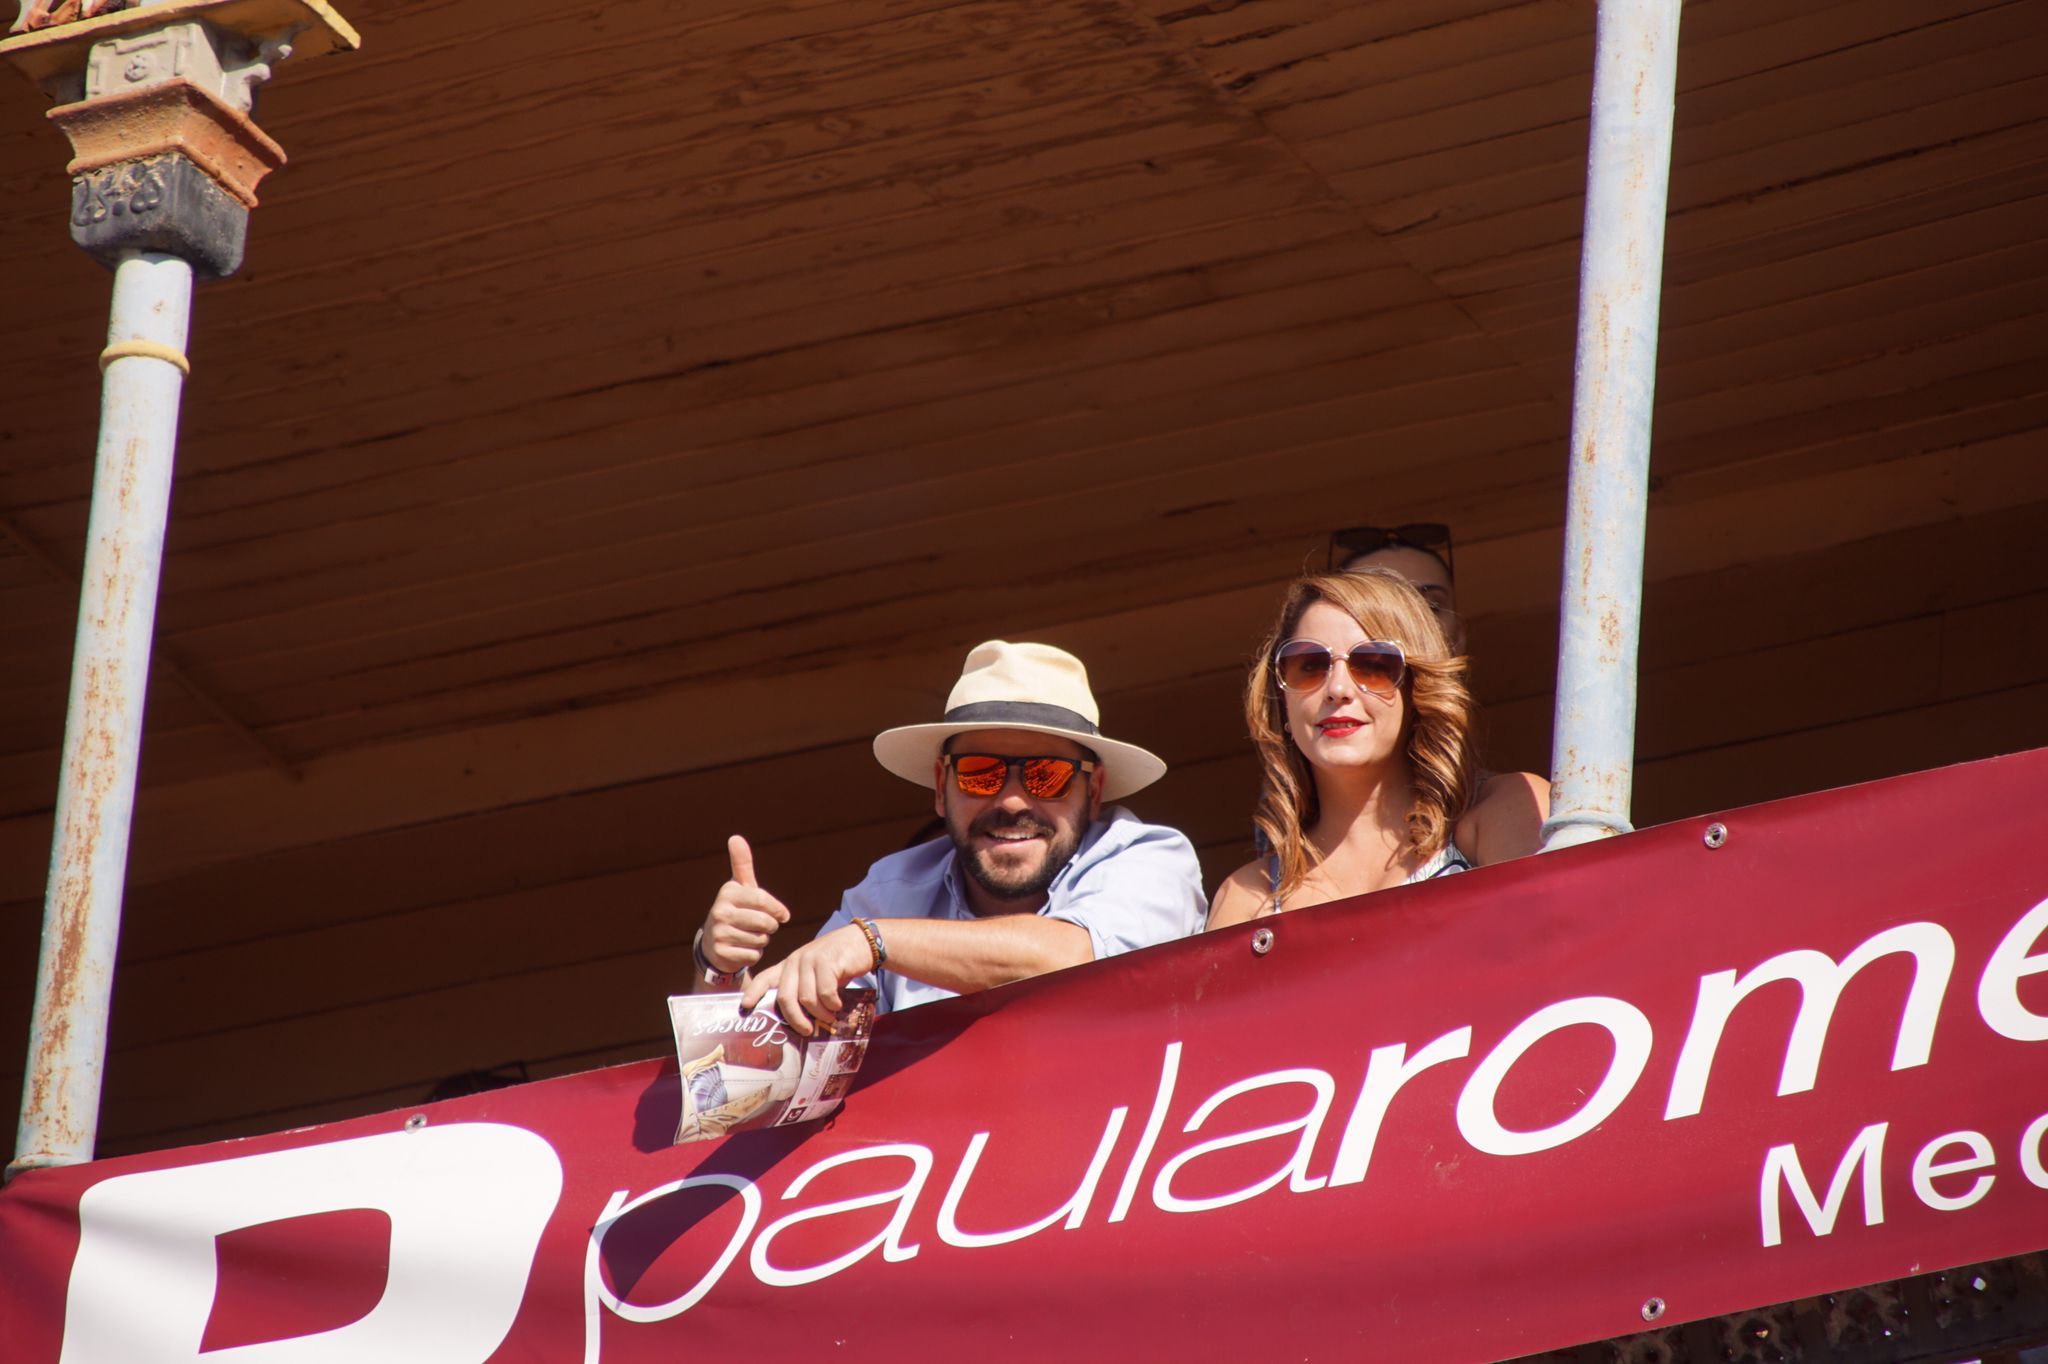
[[1363, 725]]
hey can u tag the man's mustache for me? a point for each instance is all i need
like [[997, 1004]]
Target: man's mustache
[[996, 822]]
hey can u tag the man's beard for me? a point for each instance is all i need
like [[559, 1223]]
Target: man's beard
[[1006, 884]]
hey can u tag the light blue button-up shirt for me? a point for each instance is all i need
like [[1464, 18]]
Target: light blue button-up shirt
[[1130, 885]]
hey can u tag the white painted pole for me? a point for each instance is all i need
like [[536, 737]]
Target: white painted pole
[[1621, 272], [145, 370]]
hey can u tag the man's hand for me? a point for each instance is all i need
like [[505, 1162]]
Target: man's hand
[[743, 917], [807, 981]]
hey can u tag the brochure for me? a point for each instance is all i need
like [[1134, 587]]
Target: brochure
[[743, 1071]]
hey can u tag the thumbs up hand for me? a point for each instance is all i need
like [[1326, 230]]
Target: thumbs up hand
[[742, 918]]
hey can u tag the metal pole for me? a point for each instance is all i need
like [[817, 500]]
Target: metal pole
[[1635, 77], [145, 369]]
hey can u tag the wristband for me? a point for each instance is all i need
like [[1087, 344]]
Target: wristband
[[712, 975], [876, 946]]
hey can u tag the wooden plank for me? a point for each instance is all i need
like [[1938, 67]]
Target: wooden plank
[[706, 77], [1956, 731], [1922, 181], [849, 498], [812, 384], [1506, 150], [921, 297], [1308, 79], [526, 71], [445, 403], [1305, 27], [781, 297], [1058, 439], [1800, 220], [943, 150], [550, 574], [804, 213], [534, 483], [1908, 312], [1751, 287], [1905, 310], [1974, 408], [1742, 695], [1740, 91], [616, 423], [1868, 375], [690, 290], [857, 123], [897, 619], [1779, 596], [246, 1123]]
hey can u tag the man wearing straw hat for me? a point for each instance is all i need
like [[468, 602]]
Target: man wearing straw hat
[[1037, 871]]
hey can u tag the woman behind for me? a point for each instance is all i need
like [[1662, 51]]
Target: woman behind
[[1363, 725], [1510, 806]]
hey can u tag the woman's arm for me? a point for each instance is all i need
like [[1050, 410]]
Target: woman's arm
[[1507, 819], [1240, 897]]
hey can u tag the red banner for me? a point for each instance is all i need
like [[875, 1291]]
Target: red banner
[[1654, 1079]]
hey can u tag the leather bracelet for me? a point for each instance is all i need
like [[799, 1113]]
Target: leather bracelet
[[879, 948], [712, 975]]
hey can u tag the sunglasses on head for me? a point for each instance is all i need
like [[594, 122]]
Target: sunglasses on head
[[986, 774], [1431, 537], [1377, 665]]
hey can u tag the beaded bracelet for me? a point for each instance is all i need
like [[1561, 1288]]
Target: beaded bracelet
[[879, 948]]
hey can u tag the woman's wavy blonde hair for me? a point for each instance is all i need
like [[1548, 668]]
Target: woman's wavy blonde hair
[[1438, 742]]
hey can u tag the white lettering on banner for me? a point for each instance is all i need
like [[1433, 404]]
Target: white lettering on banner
[[1623, 1021], [1074, 1210], [1162, 1098], [1385, 1073], [1926, 1169], [1782, 1163], [467, 1204], [598, 1293], [468, 1201], [1820, 979], [1295, 1171], [889, 1240], [1998, 990], [2030, 1152]]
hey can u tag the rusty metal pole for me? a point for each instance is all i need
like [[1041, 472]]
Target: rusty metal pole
[[1621, 271], [155, 98], [145, 374]]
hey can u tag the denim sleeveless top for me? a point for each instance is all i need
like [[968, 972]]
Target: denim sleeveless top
[[1448, 861]]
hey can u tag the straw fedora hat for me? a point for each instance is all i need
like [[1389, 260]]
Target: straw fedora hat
[[1032, 687]]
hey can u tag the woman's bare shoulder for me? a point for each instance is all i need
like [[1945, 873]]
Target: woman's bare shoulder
[[1241, 896], [1506, 819]]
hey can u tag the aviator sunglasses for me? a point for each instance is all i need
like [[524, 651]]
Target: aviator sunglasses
[[1378, 665], [985, 774], [1431, 537]]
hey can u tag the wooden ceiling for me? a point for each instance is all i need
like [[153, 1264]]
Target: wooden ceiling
[[625, 410]]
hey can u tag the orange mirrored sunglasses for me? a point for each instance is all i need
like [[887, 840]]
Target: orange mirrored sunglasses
[[986, 774]]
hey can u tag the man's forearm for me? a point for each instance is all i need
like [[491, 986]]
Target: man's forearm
[[979, 954]]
